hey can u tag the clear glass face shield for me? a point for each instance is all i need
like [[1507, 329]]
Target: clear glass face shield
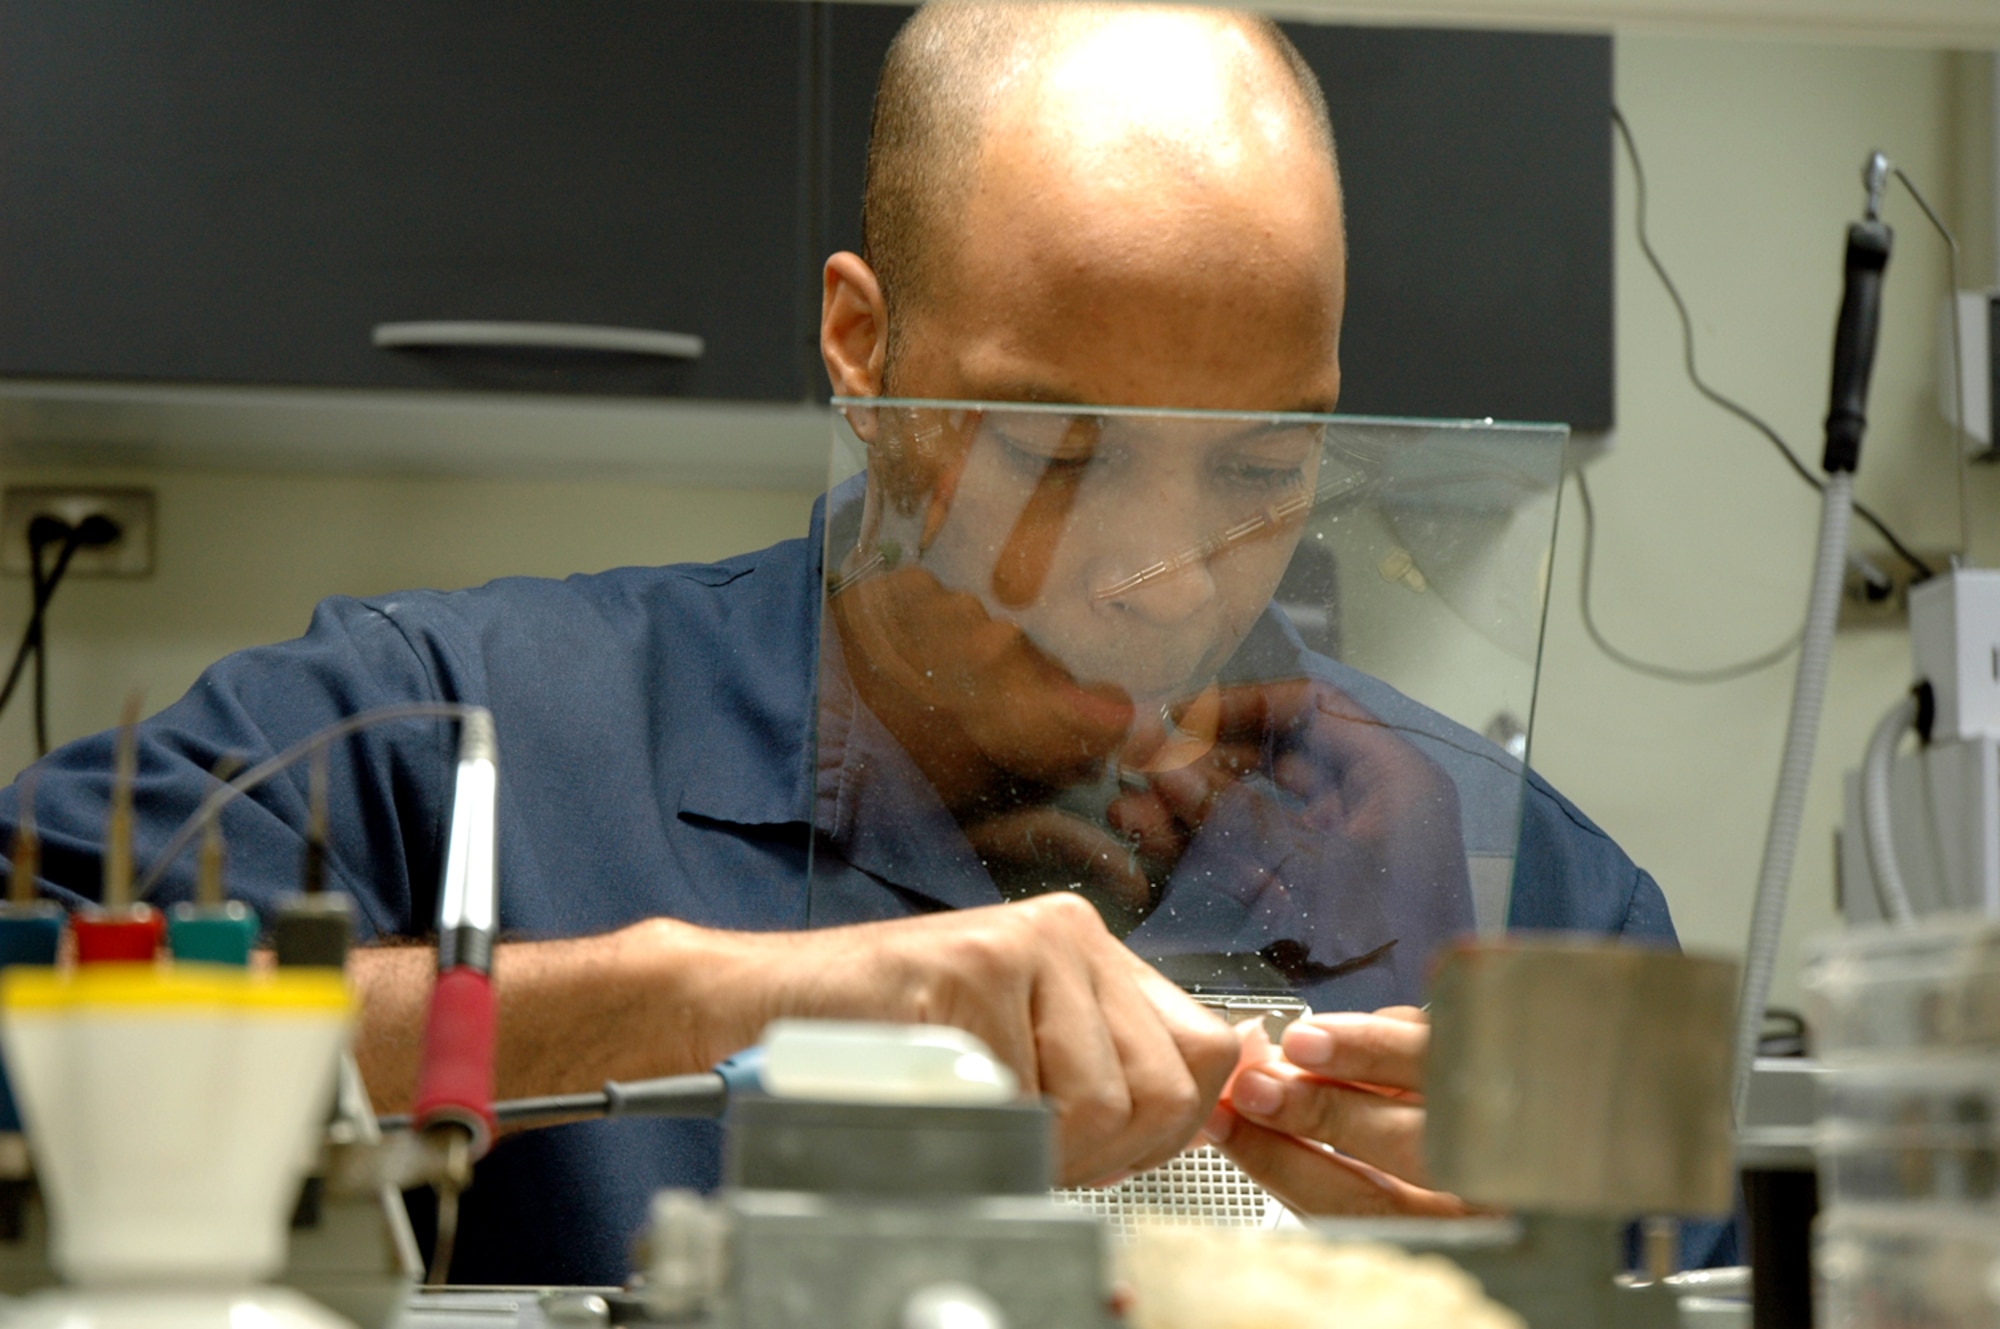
[[1224, 676]]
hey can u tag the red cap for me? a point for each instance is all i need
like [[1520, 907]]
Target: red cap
[[118, 936], [456, 1081]]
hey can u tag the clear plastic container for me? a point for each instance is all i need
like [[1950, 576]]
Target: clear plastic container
[[1907, 1267], [1963, 1174], [1932, 985], [1906, 1021], [1911, 1128]]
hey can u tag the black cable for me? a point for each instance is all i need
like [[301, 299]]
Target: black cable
[[43, 589], [1671, 673], [73, 539], [702, 1094], [38, 601], [1959, 438], [1735, 408]]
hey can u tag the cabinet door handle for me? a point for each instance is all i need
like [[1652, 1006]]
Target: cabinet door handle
[[460, 334]]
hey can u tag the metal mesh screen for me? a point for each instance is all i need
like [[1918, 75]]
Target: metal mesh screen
[[1201, 1188]]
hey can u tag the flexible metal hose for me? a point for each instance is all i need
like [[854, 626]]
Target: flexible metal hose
[[1877, 830], [1781, 843]]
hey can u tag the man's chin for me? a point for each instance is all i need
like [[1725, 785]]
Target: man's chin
[[1153, 690]]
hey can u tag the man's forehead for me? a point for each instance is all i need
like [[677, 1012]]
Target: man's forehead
[[1192, 81], [1147, 214]]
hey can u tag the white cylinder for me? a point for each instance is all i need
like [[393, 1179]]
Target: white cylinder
[[171, 1116]]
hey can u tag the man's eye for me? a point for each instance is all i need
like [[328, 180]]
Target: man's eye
[[1061, 453], [1032, 461], [1270, 476]]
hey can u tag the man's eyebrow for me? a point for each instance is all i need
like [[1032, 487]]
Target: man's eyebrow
[[1049, 392], [1038, 392], [1258, 430], [1317, 406]]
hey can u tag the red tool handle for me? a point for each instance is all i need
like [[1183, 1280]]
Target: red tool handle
[[118, 936], [456, 1081]]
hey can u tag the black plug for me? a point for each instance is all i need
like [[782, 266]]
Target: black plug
[[96, 531], [93, 532], [45, 530]]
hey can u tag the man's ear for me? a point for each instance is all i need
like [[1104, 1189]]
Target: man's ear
[[853, 327]]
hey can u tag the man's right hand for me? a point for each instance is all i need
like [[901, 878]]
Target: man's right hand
[[1130, 1066]]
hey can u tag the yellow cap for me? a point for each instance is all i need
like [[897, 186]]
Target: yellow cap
[[144, 987]]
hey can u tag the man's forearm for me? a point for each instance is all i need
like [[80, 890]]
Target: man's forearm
[[1128, 1064], [657, 998]]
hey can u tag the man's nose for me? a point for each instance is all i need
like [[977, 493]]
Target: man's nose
[[1163, 591]]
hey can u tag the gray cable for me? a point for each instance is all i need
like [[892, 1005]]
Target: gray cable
[[1767, 916], [212, 806], [1878, 831], [1671, 673]]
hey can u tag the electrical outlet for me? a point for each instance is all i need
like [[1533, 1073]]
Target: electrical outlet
[[131, 555], [1881, 599]]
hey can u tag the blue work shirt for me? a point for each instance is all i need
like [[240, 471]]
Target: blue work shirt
[[655, 741]]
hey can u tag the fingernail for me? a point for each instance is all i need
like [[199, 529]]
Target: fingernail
[[1256, 1094], [1220, 1123], [1308, 1045]]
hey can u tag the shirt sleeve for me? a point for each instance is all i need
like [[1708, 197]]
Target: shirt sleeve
[[387, 786], [1569, 876]]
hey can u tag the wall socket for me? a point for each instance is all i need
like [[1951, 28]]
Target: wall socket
[[1883, 599], [131, 555]]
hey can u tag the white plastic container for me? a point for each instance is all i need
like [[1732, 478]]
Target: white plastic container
[[171, 1113]]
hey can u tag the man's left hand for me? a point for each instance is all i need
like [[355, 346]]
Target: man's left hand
[[1332, 1122]]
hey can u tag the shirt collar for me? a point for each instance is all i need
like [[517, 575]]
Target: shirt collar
[[745, 744]]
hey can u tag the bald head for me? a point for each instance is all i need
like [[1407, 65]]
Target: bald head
[[1153, 96]]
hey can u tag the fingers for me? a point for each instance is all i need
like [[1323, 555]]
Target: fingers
[[1314, 1180], [1252, 710], [968, 695], [1387, 1133], [1190, 791], [1129, 1073], [1062, 843], [1127, 1062], [1089, 1077], [1030, 549], [1144, 816], [1385, 1049], [1206, 1044]]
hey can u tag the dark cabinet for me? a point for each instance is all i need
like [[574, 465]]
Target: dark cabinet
[[233, 191], [240, 192]]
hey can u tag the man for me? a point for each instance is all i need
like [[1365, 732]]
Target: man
[[1065, 203]]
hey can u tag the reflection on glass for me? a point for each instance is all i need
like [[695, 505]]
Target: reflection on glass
[[1191, 666]]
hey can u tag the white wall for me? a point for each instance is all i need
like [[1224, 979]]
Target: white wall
[[242, 559], [1753, 152]]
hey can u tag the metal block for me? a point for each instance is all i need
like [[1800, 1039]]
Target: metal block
[[910, 1150], [804, 1261], [1579, 1077], [1554, 1272], [1779, 1122]]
